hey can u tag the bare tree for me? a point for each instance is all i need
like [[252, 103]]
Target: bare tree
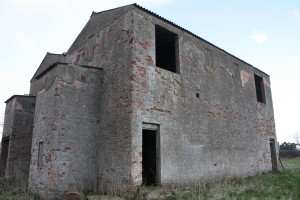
[[296, 138]]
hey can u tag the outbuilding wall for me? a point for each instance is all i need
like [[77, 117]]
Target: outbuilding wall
[[17, 131], [66, 131], [93, 103], [211, 125], [106, 42]]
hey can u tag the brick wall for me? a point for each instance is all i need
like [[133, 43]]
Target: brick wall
[[110, 47], [211, 126], [66, 125], [18, 124], [105, 43], [223, 133]]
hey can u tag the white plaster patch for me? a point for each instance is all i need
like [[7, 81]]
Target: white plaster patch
[[41, 91], [19, 107], [245, 76]]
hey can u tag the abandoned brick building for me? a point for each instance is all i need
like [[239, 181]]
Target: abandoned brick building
[[138, 100]]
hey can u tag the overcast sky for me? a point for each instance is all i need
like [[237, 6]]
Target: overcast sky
[[264, 33]]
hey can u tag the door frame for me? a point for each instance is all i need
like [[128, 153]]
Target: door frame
[[273, 154], [156, 128]]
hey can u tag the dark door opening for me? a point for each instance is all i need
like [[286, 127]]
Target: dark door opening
[[4, 156], [273, 155], [149, 172]]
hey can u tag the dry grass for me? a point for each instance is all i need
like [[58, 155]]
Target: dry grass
[[280, 186], [11, 190]]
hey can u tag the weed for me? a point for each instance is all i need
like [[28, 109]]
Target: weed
[[268, 186], [12, 190]]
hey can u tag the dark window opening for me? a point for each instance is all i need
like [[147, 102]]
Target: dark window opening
[[40, 155], [260, 91], [273, 155], [149, 171], [165, 49], [4, 155], [197, 95]]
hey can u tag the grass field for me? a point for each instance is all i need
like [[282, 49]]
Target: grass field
[[281, 185]]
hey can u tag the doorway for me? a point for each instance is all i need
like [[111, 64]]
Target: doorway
[[273, 155], [150, 152]]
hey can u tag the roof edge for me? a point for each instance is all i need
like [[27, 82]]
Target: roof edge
[[16, 95], [95, 13], [193, 34], [49, 68], [46, 56], [53, 65]]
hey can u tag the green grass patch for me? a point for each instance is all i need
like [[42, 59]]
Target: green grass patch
[[280, 185]]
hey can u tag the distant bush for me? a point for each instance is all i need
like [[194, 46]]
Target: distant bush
[[288, 146], [289, 153]]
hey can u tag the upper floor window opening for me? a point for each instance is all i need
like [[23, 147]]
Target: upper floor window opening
[[259, 87], [166, 46]]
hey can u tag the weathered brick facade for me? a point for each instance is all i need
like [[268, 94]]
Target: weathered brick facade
[[139, 100], [16, 138]]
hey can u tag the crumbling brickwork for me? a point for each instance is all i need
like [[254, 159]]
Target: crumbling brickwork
[[211, 125], [107, 44], [66, 130], [131, 75], [17, 136]]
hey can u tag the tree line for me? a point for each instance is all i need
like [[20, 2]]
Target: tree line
[[291, 145]]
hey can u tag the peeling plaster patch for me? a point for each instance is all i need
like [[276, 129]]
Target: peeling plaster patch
[[63, 82], [164, 74], [245, 76], [19, 107], [41, 91], [266, 82], [228, 70], [161, 110], [194, 54]]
